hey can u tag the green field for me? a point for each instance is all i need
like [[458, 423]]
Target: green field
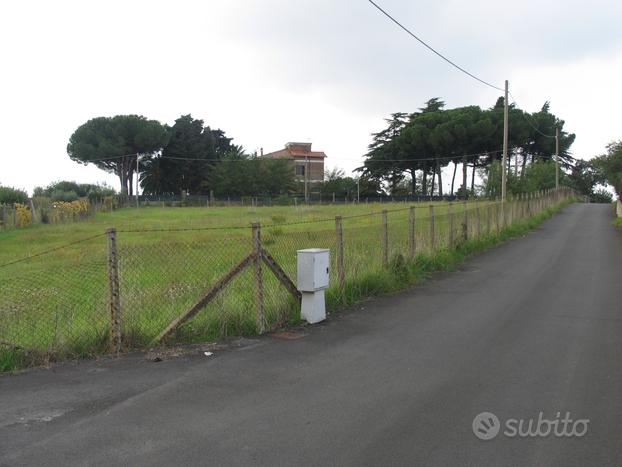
[[56, 304]]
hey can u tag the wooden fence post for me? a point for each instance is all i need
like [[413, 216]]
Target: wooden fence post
[[341, 273], [114, 296], [259, 309], [450, 213], [488, 218], [497, 215], [385, 239], [431, 221], [465, 224], [411, 233]]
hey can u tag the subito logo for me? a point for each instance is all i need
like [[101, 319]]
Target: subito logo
[[486, 426]]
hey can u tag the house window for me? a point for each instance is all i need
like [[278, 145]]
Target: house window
[[300, 170]]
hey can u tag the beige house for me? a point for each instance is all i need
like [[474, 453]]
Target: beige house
[[307, 164]]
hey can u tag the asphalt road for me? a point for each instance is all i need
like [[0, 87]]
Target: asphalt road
[[534, 325]]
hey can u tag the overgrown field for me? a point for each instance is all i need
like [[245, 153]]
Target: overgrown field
[[56, 305]]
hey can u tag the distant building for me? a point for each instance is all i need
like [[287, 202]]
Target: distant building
[[308, 165]]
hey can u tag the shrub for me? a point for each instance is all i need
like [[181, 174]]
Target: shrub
[[66, 196], [62, 210], [10, 195], [601, 196], [23, 216]]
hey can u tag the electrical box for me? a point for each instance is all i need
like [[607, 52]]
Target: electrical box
[[313, 264]]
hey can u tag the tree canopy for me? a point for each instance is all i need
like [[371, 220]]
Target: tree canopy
[[114, 143], [420, 144], [187, 159]]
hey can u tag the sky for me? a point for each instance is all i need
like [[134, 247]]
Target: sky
[[272, 71]]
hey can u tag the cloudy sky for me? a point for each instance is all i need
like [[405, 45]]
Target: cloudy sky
[[272, 71]]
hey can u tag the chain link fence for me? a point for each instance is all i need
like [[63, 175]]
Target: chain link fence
[[131, 289]]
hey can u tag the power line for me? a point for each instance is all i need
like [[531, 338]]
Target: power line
[[196, 159], [433, 50], [528, 120]]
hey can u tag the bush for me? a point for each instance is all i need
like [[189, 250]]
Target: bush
[[65, 196], [601, 196], [10, 195], [23, 216], [72, 210]]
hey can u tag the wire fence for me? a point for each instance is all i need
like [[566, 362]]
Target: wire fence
[[132, 289]]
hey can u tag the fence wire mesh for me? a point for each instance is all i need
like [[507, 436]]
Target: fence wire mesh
[[57, 303], [60, 303]]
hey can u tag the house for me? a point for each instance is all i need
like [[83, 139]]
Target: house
[[307, 164]]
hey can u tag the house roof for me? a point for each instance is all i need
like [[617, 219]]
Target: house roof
[[293, 150]]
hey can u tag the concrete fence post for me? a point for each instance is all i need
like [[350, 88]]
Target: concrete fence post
[[465, 223], [114, 304], [431, 226], [260, 317], [478, 220], [411, 232], [450, 215], [341, 273], [385, 239]]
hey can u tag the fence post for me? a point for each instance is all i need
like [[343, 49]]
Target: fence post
[[478, 220], [488, 217], [411, 232], [341, 273], [465, 224], [450, 213], [114, 297], [497, 215], [259, 309], [385, 239], [431, 221]]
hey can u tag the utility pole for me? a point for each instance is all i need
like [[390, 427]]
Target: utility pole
[[505, 146], [556, 158], [136, 180]]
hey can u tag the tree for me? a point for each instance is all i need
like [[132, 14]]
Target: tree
[[610, 165], [186, 161], [585, 176], [114, 143], [9, 195], [431, 138], [240, 175]]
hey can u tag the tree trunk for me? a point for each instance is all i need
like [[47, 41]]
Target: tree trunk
[[473, 180], [453, 179], [424, 181], [413, 174], [440, 179], [433, 180], [522, 170]]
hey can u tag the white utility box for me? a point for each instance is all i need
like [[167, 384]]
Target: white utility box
[[312, 279]]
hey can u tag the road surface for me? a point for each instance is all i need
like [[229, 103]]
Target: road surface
[[533, 325]]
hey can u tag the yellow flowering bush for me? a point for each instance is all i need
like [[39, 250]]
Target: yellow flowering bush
[[69, 210], [23, 216]]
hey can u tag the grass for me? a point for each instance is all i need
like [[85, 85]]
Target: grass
[[55, 306]]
